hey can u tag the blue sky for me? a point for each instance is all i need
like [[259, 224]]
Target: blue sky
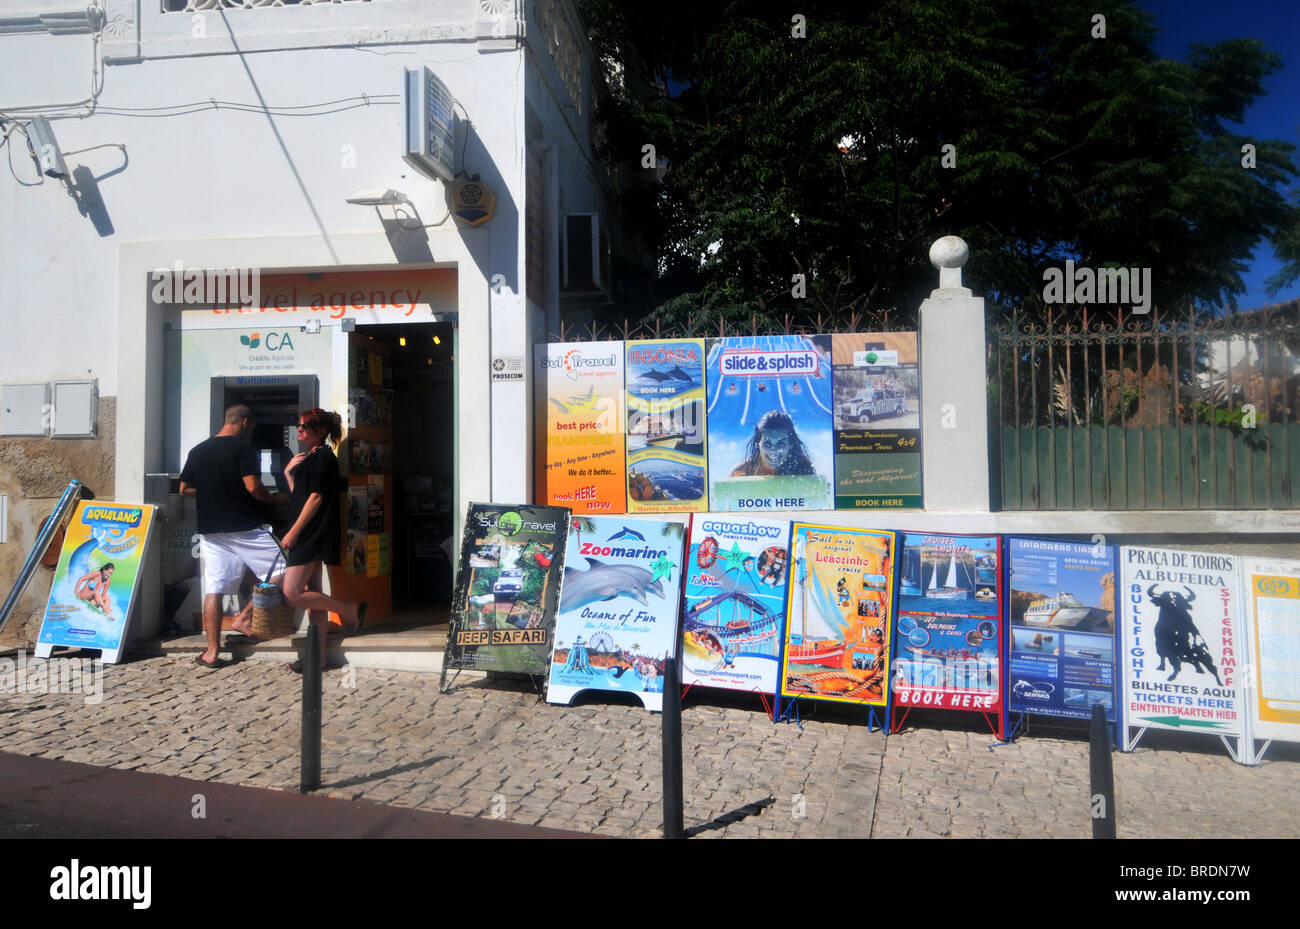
[[1274, 116]]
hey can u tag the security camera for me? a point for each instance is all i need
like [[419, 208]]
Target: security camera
[[45, 149]]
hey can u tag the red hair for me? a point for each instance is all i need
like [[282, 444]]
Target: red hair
[[328, 422]]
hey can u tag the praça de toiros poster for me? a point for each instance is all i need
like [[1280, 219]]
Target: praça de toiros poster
[[1183, 650]]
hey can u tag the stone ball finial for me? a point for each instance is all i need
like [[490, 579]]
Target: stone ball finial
[[949, 252]]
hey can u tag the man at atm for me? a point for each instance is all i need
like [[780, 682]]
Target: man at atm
[[224, 476]]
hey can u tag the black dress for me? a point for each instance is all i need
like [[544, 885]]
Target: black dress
[[320, 538]]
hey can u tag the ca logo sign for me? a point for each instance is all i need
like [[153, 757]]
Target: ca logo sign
[[275, 341]]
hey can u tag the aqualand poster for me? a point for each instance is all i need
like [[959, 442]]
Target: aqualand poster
[[736, 574], [769, 423], [1273, 634], [948, 640], [665, 426], [617, 625], [1182, 646], [877, 420], [1061, 616], [96, 578], [580, 454], [836, 638], [503, 608]]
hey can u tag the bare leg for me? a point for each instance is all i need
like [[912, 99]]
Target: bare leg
[[212, 626], [298, 583]]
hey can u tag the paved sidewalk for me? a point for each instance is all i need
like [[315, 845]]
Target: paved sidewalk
[[489, 749]]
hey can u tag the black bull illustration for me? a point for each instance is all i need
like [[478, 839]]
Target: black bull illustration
[[1177, 638]]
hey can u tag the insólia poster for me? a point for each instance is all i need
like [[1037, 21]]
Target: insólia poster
[[96, 578], [617, 624], [769, 414], [665, 426], [737, 571], [837, 632]]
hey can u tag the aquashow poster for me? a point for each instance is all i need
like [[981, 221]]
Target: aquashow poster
[[948, 641], [581, 456], [1273, 634], [503, 612], [1183, 651], [769, 423], [96, 578], [836, 639], [736, 574], [666, 453], [877, 420], [617, 623], [1061, 610]]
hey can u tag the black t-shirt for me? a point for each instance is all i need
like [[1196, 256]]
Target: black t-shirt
[[216, 468], [320, 538]]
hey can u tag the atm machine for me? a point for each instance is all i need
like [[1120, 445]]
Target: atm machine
[[277, 401]]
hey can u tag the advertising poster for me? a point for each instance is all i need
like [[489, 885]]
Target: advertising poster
[[503, 609], [947, 652], [1181, 642], [96, 578], [1273, 630], [1061, 609], [736, 577], [836, 641], [582, 460], [617, 624], [665, 426], [877, 421], [769, 423]]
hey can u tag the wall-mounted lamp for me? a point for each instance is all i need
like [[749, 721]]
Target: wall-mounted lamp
[[388, 197]]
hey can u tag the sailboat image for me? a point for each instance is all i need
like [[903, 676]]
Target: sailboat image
[[911, 581], [817, 642], [951, 590]]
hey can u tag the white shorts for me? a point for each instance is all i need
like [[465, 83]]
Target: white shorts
[[226, 556]]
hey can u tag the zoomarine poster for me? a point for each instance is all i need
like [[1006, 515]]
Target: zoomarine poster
[[1273, 634], [503, 610], [1182, 644], [617, 625], [666, 454], [737, 571], [769, 415], [836, 639], [96, 578]]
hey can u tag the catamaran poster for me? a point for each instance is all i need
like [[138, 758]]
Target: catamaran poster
[[769, 413], [617, 625], [948, 641], [1062, 618], [836, 641], [665, 427], [736, 575]]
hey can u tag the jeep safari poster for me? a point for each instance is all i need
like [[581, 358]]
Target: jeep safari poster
[[877, 421], [503, 610]]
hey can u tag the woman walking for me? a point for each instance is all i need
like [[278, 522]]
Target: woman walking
[[313, 479]]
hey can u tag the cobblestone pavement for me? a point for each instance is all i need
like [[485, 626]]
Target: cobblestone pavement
[[490, 749]]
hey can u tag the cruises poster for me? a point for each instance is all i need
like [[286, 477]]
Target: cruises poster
[[1061, 610], [96, 579], [737, 571], [617, 625], [581, 457], [666, 454], [948, 641], [836, 638], [1182, 648], [503, 611], [877, 421], [769, 416], [1273, 634]]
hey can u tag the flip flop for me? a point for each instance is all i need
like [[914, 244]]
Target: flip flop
[[210, 665], [295, 666]]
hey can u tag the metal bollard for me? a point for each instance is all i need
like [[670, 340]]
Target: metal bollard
[[312, 687], [1101, 776], [672, 751]]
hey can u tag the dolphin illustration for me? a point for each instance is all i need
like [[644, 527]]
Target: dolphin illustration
[[676, 373], [626, 533], [605, 582], [653, 375]]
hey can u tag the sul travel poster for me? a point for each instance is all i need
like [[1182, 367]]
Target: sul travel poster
[[1273, 633], [665, 426], [947, 641], [96, 578], [769, 414], [837, 632], [1182, 645], [503, 609], [581, 452], [736, 574], [617, 624]]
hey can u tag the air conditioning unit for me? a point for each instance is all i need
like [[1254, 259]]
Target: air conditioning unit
[[584, 263]]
